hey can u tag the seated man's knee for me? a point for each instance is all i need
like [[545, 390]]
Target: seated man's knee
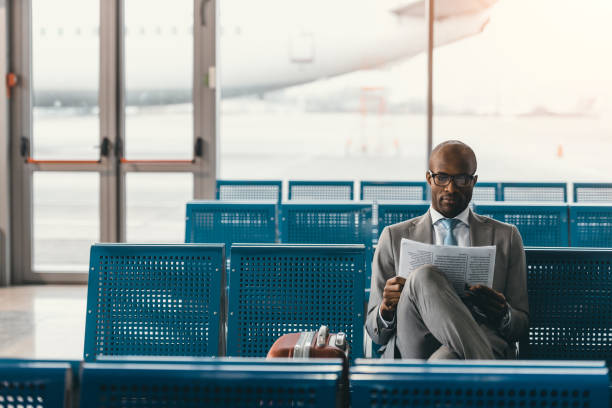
[[426, 276]]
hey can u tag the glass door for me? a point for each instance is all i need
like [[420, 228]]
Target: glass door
[[158, 157], [114, 127]]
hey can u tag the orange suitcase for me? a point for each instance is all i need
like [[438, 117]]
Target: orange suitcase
[[319, 344]]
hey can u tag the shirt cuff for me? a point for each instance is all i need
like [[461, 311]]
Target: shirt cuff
[[386, 323]]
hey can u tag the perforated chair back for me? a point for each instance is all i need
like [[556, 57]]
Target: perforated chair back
[[534, 192], [393, 190], [155, 300], [213, 384], [321, 190], [570, 304], [591, 225], [390, 213], [539, 224], [485, 192], [249, 190], [327, 223], [593, 192], [472, 385], [35, 384], [229, 222], [279, 289]]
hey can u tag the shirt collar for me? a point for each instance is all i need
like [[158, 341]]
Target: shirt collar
[[463, 216]]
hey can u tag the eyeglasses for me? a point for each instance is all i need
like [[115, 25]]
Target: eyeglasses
[[443, 179]]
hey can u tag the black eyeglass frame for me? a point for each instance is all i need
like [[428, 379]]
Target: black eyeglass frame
[[451, 178]]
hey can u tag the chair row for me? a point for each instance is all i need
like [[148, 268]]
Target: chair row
[[233, 383], [170, 300], [555, 225], [256, 190]]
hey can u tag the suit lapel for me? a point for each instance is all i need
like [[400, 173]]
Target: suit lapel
[[423, 230], [481, 231]]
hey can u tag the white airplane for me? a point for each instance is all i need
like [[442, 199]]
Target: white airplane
[[258, 51]]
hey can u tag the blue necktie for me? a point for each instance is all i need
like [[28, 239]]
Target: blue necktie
[[449, 224]]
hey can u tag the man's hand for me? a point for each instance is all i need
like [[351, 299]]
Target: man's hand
[[391, 295], [491, 302]]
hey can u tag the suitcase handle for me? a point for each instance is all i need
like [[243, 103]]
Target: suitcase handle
[[322, 336]]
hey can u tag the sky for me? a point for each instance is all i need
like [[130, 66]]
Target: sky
[[549, 52]]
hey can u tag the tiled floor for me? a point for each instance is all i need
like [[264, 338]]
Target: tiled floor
[[42, 321]]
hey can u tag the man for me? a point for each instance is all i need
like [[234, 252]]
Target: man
[[422, 316]]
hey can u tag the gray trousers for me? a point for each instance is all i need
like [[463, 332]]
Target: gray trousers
[[433, 322]]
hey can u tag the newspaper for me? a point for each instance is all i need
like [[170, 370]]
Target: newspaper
[[461, 265]]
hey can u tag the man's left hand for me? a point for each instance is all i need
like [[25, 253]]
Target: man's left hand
[[491, 302]]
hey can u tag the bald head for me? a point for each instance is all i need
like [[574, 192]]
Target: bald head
[[454, 152], [452, 165]]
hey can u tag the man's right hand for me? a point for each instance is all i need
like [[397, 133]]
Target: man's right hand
[[391, 295]]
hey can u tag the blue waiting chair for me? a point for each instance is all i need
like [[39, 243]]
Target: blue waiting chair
[[36, 384], [393, 190], [400, 384], [593, 192], [279, 289], [534, 192], [155, 300], [390, 213], [570, 304], [216, 383], [229, 222], [250, 190], [320, 190], [591, 225], [326, 223], [539, 224], [329, 223], [485, 192]]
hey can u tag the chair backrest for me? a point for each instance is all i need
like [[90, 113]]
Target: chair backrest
[[484, 191], [326, 223], [393, 190], [249, 190], [279, 289], [590, 225], [570, 304], [229, 222], [534, 192], [39, 384], [593, 192], [213, 384], [158, 300], [390, 213], [539, 224], [320, 190], [472, 385]]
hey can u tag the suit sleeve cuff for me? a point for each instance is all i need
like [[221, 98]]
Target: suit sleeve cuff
[[386, 324]]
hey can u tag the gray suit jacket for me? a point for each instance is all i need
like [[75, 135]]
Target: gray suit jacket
[[509, 277]]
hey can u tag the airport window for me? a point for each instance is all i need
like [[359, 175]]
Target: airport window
[[155, 204], [65, 79], [322, 98], [534, 101], [159, 82], [66, 220]]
